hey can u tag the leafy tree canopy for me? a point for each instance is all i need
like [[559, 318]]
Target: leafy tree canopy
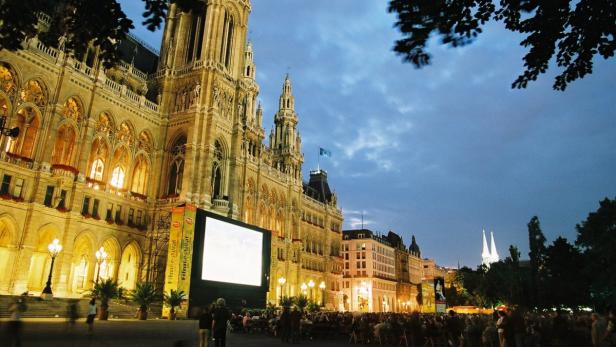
[[79, 23], [597, 238], [572, 32], [566, 287]]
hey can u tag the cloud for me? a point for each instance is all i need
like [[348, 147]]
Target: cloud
[[438, 151], [375, 141]]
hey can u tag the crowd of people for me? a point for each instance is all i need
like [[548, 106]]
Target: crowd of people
[[503, 329]]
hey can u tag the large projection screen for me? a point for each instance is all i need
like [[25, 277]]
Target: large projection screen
[[231, 253]]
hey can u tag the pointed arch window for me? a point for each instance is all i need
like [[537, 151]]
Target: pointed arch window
[[218, 172], [98, 160], [28, 123], [176, 166], [117, 177], [227, 41], [176, 173], [140, 176], [97, 169], [216, 182], [64, 146]]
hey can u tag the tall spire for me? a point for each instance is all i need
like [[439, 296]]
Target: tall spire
[[486, 257], [493, 252], [285, 140], [287, 101], [249, 65]]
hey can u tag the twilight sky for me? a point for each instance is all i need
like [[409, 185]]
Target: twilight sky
[[441, 152]]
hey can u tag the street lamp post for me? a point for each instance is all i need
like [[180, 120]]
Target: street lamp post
[[322, 287], [101, 256], [281, 282], [311, 285], [54, 249], [303, 287]]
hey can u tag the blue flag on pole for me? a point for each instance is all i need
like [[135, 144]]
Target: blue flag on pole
[[325, 152]]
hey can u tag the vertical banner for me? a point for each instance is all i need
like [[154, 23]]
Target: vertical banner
[[186, 250], [439, 296], [173, 253], [427, 297]]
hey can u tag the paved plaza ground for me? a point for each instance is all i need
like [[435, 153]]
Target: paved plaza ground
[[132, 333]]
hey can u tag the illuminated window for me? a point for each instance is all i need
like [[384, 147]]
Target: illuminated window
[[19, 187], [117, 177], [96, 172], [140, 176]]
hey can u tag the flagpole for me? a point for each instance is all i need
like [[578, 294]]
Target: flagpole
[[319, 160]]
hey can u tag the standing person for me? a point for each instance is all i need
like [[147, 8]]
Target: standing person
[[560, 329], [14, 325], [285, 325], [220, 319], [205, 324], [454, 326], [502, 326], [610, 330], [91, 315], [295, 318], [72, 313], [518, 328]]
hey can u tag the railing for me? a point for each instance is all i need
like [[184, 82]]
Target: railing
[[220, 203], [18, 160], [115, 87], [133, 70], [51, 52], [64, 170], [149, 104], [133, 96], [144, 44], [43, 18]]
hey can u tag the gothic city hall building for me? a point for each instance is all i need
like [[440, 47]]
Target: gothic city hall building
[[103, 155]]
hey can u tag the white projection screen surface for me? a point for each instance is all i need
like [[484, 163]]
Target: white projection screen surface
[[231, 253]]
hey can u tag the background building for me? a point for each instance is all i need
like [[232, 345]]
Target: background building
[[380, 274], [369, 283], [103, 156]]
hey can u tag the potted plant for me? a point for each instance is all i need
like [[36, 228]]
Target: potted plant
[[286, 302], [313, 307], [174, 299], [301, 302], [144, 295], [104, 290]]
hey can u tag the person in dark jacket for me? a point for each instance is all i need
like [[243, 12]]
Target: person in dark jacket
[[205, 325], [220, 319], [285, 325], [295, 319]]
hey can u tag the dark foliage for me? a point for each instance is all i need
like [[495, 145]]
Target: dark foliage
[[565, 287], [536, 242], [79, 23], [572, 32], [567, 276], [597, 238]]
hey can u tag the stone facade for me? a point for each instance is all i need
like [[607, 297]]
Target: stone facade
[[104, 155], [380, 273]]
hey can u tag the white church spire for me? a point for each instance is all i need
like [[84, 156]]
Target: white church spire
[[493, 252], [486, 257]]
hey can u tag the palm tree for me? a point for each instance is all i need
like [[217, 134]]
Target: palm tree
[[144, 295], [104, 290], [286, 301], [174, 299], [301, 302]]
